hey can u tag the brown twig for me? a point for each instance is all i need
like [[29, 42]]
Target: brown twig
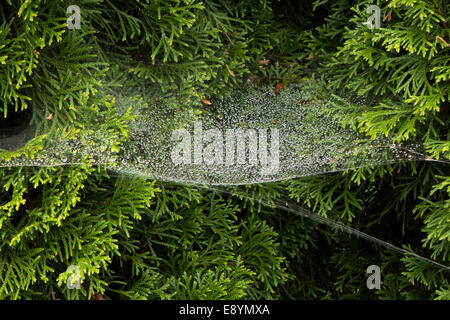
[[231, 41], [388, 17], [441, 39]]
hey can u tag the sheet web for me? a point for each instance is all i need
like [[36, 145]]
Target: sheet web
[[252, 136]]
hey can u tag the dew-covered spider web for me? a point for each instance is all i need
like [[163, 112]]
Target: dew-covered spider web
[[252, 136]]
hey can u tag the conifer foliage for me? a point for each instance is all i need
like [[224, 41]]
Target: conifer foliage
[[138, 239]]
